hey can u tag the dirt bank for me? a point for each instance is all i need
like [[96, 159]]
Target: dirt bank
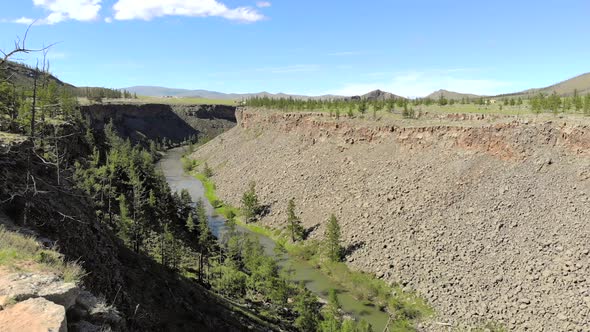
[[487, 218]]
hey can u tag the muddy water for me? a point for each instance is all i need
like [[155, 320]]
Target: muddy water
[[314, 280]]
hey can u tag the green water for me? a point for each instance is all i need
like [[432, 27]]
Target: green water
[[314, 279]]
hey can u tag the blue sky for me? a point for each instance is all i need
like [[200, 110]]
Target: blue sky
[[316, 47]]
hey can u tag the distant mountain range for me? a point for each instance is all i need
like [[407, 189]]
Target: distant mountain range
[[157, 91], [23, 75], [565, 88]]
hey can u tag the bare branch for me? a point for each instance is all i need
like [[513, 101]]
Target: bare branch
[[20, 46]]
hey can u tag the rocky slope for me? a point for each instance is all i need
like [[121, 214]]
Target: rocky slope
[[486, 217], [149, 296]]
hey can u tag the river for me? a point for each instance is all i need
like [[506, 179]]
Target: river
[[313, 278]]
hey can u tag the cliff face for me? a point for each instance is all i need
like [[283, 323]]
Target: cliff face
[[156, 121], [484, 216]]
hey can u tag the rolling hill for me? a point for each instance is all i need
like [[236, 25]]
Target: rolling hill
[[451, 95], [380, 95], [22, 75], [564, 88]]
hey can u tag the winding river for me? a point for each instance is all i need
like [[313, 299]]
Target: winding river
[[313, 279]]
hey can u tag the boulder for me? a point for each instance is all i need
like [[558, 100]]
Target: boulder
[[97, 311], [21, 286], [34, 315]]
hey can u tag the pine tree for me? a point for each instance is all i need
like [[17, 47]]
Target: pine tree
[[138, 195], [250, 205], [587, 104], [125, 222], [207, 171], [190, 224], [554, 102], [205, 237], [332, 240], [293, 223], [363, 107], [307, 308], [577, 101]]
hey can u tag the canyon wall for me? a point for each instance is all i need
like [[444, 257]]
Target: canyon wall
[[486, 217], [157, 121]]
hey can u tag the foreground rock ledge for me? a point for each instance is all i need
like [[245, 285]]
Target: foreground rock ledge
[[34, 315]]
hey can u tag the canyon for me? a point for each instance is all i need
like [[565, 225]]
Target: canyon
[[484, 216]]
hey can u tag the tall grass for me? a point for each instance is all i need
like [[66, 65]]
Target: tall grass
[[17, 249]]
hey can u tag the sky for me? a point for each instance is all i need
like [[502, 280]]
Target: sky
[[345, 47]]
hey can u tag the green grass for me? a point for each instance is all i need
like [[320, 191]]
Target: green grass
[[407, 306], [11, 138], [497, 109], [20, 252]]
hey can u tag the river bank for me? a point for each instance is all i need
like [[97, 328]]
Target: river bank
[[315, 280], [361, 294]]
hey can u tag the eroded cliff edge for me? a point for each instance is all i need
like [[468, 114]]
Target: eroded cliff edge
[[176, 123]]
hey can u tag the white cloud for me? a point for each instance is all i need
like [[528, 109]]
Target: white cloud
[[62, 10], [108, 20], [24, 20], [263, 4], [422, 83], [149, 9]]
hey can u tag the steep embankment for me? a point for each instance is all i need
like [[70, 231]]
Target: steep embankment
[[149, 296], [157, 121], [487, 219]]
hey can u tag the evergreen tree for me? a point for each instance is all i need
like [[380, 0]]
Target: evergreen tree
[[554, 102], [363, 107], [307, 308], [442, 101], [138, 195], [250, 205], [205, 237], [586, 106], [577, 101], [190, 223], [293, 223], [332, 240], [125, 221], [207, 171]]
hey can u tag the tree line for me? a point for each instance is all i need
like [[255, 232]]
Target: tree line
[[555, 103]]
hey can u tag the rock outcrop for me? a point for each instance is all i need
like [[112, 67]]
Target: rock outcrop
[[45, 303], [486, 218], [22, 286], [34, 315]]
